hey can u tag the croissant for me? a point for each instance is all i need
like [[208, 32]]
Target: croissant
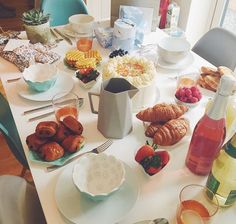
[[162, 112], [152, 129], [171, 132]]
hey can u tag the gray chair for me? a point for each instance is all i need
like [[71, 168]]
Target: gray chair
[[218, 46], [19, 202]]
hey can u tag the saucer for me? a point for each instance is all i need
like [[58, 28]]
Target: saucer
[[77, 208], [188, 60], [64, 83], [68, 31]]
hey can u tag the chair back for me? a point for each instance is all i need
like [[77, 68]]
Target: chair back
[[19, 202], [9, 130], [61, 10], [218, 46]]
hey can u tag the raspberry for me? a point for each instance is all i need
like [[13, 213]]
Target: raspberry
[[183, 99], [188, 92], [193, 100], [194, 88]]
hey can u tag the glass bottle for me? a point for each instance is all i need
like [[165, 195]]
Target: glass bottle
[[209, 133], [222, 179]]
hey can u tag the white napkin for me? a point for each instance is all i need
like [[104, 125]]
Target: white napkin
[[14, 43]]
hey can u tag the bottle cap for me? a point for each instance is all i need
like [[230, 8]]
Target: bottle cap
[[226, 85]]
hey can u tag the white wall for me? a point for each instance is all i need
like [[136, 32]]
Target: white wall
[[99, 9], [195, 17]]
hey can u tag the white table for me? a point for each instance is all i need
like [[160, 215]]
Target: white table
[[158, 195]]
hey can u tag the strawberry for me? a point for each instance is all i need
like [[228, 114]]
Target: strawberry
[[165, 157], [145, 151], [153, 170]]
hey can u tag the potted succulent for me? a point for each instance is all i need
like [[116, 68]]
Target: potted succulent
[[36, 25]]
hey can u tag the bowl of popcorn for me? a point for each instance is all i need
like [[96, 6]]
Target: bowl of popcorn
[[40, 77], [98, 175]]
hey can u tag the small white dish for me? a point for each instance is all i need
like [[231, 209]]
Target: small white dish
[[87, 85], [189, 105], [64, 83], [77, 208], [98, 175], [187, 61]]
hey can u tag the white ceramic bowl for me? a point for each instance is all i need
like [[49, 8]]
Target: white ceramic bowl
[[98, 175], [173, 49], [81, 23], [40, 77], [189, 105]]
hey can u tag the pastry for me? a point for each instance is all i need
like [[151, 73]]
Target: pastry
[[73, 56], [33, 142], [152, 129], [72, 143], [93, 54], [51, 151], [171, 132], [162, 112], [86, 63], [73, 125], [46, 129], [62, 133]]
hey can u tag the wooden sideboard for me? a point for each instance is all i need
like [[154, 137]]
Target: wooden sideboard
[[11, 12]]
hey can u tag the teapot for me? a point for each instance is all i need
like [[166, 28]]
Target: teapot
[[114, 108]]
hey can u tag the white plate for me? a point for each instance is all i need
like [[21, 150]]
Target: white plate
[[188, 60], [64, 83], [78, 208]]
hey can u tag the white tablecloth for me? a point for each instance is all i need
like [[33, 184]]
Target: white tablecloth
[[158, 195]]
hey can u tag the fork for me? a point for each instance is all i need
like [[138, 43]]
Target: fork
[[97, 150]]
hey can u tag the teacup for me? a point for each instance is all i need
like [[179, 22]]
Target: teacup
[[81, 23]]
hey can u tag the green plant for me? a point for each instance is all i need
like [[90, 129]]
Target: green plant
[[35, 17]]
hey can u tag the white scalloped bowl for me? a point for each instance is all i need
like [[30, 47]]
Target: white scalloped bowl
[[40, 77], [98, 175]]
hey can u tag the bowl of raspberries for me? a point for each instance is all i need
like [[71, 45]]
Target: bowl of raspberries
[[188, 96]]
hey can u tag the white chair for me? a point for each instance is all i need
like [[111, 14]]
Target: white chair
[[218, 46], [19, 202]]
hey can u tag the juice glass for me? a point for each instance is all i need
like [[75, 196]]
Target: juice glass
[[194, 205], [84, 42], [65, 105]]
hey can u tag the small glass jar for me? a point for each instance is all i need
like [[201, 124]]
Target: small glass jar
[[84, 42]]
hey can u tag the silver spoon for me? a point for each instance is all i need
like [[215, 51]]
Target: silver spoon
[[155, 221]]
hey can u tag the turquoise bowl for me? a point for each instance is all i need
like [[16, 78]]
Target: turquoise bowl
[[40, 77]]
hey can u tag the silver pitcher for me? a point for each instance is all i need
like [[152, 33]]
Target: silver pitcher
[[115, 107]]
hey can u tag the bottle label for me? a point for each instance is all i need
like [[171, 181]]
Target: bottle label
[[212, 184], [231, 198]]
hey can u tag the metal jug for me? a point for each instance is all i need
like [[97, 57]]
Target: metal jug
[[114, 108]]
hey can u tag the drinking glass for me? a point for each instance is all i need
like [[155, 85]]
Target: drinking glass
[[195, 206], [84, 42], [65, 105]]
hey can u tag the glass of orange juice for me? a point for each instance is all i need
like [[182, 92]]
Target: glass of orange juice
[[195, 206], [65, 105], [84, 42]]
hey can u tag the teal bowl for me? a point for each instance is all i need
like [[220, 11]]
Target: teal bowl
[[40, 77]]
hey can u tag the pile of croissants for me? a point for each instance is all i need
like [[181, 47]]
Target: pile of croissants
[[166, 127], [52, 140]]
